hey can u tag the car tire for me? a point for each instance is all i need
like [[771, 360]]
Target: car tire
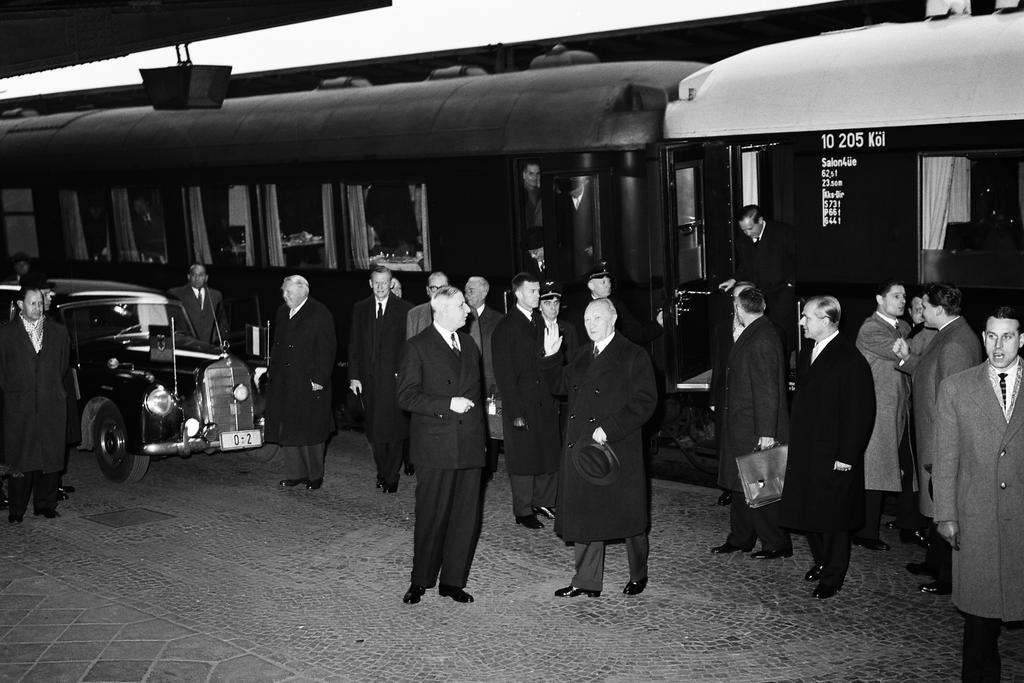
[[110, 446]]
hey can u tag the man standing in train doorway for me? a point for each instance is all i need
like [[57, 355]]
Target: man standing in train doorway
[[766, 256], [204, 306]]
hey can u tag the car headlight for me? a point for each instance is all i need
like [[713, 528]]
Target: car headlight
[[159, 401], [240, 392]]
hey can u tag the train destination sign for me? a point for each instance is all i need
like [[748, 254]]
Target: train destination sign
[[838, 166]]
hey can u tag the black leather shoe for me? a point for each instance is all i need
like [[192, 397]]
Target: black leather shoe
[[772, 554], [823, 592], [14, 519], [456, 594], [574, 592], [49, 514], [635, 587], [725, 499], [529, 521], [413, 595], [61, 493], [544, 511], [870, 543], [291, 482], [920, 569], [728, 548], [380, 482], [935, 588], [915, 536], [814, 573], [410, 469], [389, 488], [315, 484]]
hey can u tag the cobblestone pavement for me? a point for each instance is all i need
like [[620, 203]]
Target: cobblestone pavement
[[207, 571]]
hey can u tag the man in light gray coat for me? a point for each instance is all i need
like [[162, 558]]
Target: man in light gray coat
[[978, 475]]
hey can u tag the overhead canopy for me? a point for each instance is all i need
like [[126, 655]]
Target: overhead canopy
[[960, 69]]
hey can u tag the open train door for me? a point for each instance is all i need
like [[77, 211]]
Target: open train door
[[696, 197]]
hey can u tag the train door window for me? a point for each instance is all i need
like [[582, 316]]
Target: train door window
[[750, 163], [689, 222], [577, 224], [299, 223], [85, 219], [139, 225], [531, 214], [220, 224], [19, 221], [387, 224]]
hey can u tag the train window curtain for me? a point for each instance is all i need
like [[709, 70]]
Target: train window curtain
[[272, 226], [945, 197], [387, 224], [74, 232], [124, 238], [193, 198]]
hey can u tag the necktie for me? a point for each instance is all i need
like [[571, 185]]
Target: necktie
[[1002, 388], [455, 346], [202, 298], [380, 310], [597, 352]]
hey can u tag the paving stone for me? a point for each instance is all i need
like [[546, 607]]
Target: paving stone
[[169, 671], [56, 672], [34, 634], [201, 648], [40, 617], [154, 629], [90, 632], [71, 652], [247, 668], [11, 673], [21, 652], [117, 670], [111, 614], [133, 649]]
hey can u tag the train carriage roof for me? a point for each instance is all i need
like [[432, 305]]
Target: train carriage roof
[[959, 69], [585, 107]]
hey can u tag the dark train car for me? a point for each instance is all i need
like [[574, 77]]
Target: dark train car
[[486, 174], [897, 150]]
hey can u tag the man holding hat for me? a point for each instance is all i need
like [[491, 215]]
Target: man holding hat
[[602, 482], [599, 284]]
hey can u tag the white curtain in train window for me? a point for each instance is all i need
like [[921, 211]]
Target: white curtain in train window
[[945, 197], [74, 234], [193, 199], [272, 226], [751, 179], [419, 196], [239, 213], [330, 244], [355, 210], [124, 236]]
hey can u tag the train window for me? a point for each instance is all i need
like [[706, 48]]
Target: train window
[[299, 223], [85, 217], [19, 221], [386, 223], [577, 223], [971, 230], [220, 224], [138, 225], [689, 219], [750, 162]]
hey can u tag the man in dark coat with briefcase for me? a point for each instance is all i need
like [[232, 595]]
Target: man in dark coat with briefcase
[[439, 383], [375, 342], [602, 484], [830, 425], [299, 413], [529, 411]]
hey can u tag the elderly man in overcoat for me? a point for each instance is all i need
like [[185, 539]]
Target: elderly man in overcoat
[[978, 476], [439, 383], [34, 360], [954, 348], [888, 451], [830, 424], [612, 393], [753, 414], [529, 411], [480, 324], [375, 341], [299, 413]]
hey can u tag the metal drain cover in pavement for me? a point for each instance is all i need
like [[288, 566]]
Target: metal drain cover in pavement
[[131, 517]]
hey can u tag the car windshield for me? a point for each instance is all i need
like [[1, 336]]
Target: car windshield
[[124, 319]]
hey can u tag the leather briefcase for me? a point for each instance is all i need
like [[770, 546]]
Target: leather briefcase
[[763, 475]]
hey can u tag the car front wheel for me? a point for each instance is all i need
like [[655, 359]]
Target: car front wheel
[[110, 445]]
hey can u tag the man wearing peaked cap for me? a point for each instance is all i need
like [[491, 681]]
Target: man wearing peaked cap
[[599, 286]]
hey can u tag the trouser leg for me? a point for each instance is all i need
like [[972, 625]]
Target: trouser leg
[[741, 523], [44, 491], [767, 528], [388, 457], [294, 462], [19, 490], [492, 456], [981, 660], [939, 556], [908, 511], [522, 494], [313, 460], [589, 565], [872, 514], [433, 495], [637, 550], [463, 528], [836, 559], [545, 490]]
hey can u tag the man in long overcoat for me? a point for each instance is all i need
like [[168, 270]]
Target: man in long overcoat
[[299, 413], [34, 361], [529, 411], [375, 343], [830, 424], [888, 451], [754, 413], [439, 383], [480, 324], [612, 393], [954, 348], [978, 475]]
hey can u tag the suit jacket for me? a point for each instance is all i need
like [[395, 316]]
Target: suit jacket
[[35, 406], [953, 348], [429, 376], [754, 402], [418, 318], [617, 392], [517, 348], [481, 329], [771, 265], [892, 393], [832, 418], [206, 319], [374, 350], [978, 478], [303, 352]]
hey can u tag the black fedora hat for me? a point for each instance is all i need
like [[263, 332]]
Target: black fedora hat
[[596, 463]]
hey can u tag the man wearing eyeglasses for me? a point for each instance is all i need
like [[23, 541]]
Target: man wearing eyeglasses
[[421, 317]]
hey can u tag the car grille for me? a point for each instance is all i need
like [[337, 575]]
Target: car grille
[[220, 407]]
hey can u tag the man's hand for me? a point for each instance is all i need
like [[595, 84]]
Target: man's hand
[[727, 285], [552, 341], [951, 532], [316, 387], [901, 348], [841, 466], [355, 386], [461, 404], [520, 423], [765, 442], [599, 436]]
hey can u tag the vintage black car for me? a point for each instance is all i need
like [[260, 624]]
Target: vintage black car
[[145, 392]]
